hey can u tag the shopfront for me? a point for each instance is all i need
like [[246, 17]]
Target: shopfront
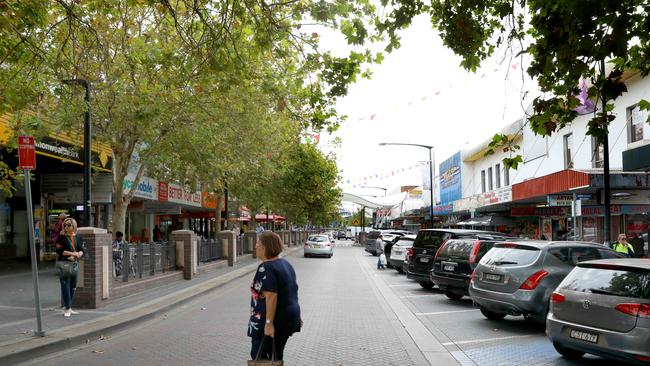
[[545, 223]]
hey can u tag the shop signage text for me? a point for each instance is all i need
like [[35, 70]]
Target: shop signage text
[[615, 210], [498, 196], [559, 199], [147, 188], [539, 211], [163, 192], [177, 194], [443, 209]]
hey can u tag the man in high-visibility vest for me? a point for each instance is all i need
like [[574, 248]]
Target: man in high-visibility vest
[[622, 246]]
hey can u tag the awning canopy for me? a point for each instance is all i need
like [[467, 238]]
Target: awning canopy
[[270, 217], [487, 221], [376, 202]]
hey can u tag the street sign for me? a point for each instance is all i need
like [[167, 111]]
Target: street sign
[[559, 199], [355, 222], [26, 153]]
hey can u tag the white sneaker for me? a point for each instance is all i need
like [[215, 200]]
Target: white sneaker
[[73, 312], [67, 313]]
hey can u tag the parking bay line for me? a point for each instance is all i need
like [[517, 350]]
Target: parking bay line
[[405, 285], [446, 312], [487, 340], [415, 296]]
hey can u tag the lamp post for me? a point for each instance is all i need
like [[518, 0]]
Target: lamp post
[[385, 189], [87, 147], [431, 170]]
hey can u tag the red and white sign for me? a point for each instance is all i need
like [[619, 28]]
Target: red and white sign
[[163, 192], [176, 194], [26, 153]]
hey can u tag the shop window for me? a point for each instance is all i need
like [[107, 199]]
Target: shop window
[[490, 181], [568, 158], [497, 178], [635, 120], [597, 153], [483, 181]]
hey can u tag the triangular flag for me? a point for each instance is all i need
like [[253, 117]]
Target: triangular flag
[[372, 117]]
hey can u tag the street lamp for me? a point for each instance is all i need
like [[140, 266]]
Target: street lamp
[[431, 170], [385, 189], [87, 147]]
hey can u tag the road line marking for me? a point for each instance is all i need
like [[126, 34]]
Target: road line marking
[[413, 296], [488, 340], [446, 312], [406, 284]]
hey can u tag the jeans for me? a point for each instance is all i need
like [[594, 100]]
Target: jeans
[[68, 286], [267, 347]]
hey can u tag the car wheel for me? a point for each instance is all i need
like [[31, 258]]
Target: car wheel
[[306, 255], [426, 285], [400, 270], [329, 256], [568, 353], [491, 314], [453, 295]]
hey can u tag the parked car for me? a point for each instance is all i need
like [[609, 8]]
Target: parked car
[[330, 235], [455, 261], [371, 246], [398, 252], [428, 241], [319, 245], [603, 307], [348, 234], [518, 277], [341, 235]]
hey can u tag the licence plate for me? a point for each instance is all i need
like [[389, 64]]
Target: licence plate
[[584, 336], [424, 260], [492, 277], [397, 251], [449, 268]]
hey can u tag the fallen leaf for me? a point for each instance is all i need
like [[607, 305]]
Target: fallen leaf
[[203, 308], [103, 337], [134, 348], [99, 351]]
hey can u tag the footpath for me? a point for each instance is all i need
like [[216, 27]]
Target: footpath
[[18, 316]]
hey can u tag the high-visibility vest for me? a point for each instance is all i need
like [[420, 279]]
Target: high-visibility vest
[[623, 248]]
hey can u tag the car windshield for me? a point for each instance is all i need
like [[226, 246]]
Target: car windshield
[[404, 242], [318, 238], [500, 256], [613, 282]]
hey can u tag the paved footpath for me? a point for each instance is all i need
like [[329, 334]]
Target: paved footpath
[[351, 318]]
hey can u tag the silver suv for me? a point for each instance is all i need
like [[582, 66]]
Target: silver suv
[[518, 277], [603, 308]]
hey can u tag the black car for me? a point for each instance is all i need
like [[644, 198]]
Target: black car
[[421, 255], [371, 242], [341, 235], [455, 261]]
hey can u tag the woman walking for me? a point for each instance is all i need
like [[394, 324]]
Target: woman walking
[[69, 249], [275, 311]]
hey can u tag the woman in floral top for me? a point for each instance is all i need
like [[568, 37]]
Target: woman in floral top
[[275, 311]]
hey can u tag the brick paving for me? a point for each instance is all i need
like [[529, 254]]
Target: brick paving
[[346, 323]]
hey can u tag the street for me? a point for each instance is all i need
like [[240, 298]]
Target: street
[[353, 315]]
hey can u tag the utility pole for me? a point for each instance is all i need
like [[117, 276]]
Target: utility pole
[[607, 200]]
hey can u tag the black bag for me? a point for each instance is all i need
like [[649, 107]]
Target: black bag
[[66, 269], [271, 362]]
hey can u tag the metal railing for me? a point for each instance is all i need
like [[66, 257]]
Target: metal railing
[[209, 250], [135, 261]]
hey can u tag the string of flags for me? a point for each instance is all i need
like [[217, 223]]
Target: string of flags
[[360, 181], [440, 91]]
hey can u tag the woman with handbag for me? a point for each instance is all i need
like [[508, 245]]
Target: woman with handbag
[[69, 249], [275, 311]]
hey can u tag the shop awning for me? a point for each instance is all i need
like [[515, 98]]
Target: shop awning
[[487, 221], [270, 217]]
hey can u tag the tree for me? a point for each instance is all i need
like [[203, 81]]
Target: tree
[[566, 41]]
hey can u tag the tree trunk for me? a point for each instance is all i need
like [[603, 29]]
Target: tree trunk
[[218, 215]]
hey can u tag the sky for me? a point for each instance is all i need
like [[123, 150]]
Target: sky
[[420, 95]]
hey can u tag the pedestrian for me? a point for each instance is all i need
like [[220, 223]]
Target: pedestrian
[[638, 245], [275, 311], [260, 229], [157, 236], [379, 243], [622, 246], [119, 242], [69, 249]]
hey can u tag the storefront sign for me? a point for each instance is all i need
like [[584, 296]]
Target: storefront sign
[[539, 211], [176, 194], [615, 210], [640, 180], [628, 197], [584, 197], [147, 188], [450, 179], [208, 200], [469, 203], [443, 209], [69, 152], [498, 196], [559, 199], [163, 192]]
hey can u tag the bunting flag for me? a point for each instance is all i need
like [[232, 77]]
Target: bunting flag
[[354, 182]]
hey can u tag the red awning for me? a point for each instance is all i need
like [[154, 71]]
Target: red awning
[[559, 182], [270, 217]]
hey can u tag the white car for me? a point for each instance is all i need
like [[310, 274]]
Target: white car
[[398, 252], [319, 245]]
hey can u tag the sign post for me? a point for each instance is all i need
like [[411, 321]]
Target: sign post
[[26, 163]]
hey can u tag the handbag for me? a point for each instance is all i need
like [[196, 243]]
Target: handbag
[[271, 362], [66, 268], [382, 258]]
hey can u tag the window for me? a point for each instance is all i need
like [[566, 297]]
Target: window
[[490, 181], [497, 178], [568, 158], [483, 181], [506, 176], [597, 153], [635, 120]]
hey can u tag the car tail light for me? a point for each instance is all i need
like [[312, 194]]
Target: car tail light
[[442, 246], [557, 297], [508, 245], [474, 254], [640, 310], [643, 358], [409, 252], [532, 281]]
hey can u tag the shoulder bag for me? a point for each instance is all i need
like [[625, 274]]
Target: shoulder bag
[[66, 268]]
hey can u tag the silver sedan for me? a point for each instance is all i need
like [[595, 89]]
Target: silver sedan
[[319, 245]]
